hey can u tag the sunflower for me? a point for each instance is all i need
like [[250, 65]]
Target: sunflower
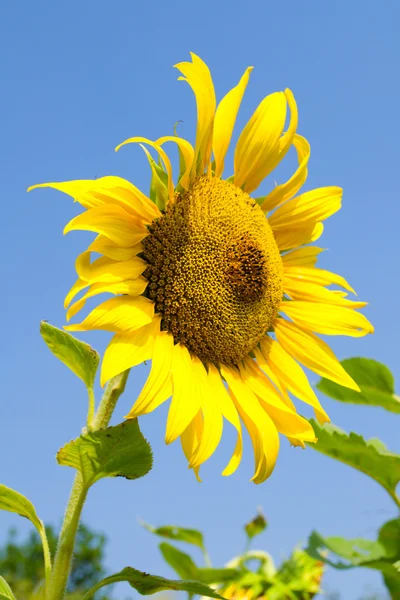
[[219, 289]]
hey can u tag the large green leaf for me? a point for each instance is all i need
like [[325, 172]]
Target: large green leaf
[[255, 526], [180, 534], [119, 451], [382, 555], [15, 502], [78, 356], [5, 590], [147, 584], [371, 457], [375, 380]]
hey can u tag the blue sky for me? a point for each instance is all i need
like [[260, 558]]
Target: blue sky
[[80, 77]]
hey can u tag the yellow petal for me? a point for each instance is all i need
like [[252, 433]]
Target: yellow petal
[[312, 292], [190, 439], [287, 190], [126, 350], [225, 119], [91, 193], [258, 143], [220, 395], [286, 420], [78, 286], [327, 318], [213, 425], [312, 352], [198, 76], [119, 190], [317, 276], [130, 288], [120, 314], [262, 386], [162, 154], [187, 153], [105, 270], [298, 443], [308, 209], [103, 245], [302, 257], [291, 375], [187, 378], [158, 386], [111, 221], [264, 365], [284, 143], [260, 426], [292, 237]]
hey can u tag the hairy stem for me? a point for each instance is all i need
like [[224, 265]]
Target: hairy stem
[[46, 555], [115, 387], [91, 409], [66, 542]]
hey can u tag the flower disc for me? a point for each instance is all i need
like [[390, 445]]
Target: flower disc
[[215, 271]]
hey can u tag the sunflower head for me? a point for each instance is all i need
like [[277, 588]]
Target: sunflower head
[[219, 290], [214, 271], [297, 577]]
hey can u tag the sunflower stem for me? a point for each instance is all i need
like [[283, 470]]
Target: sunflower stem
[[66, 541], [91, 409]]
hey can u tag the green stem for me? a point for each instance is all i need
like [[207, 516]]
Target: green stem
[[46, 555], [247, 547], [395, 498], [91, 409], [207, 559], [115, 387], [66, 542]]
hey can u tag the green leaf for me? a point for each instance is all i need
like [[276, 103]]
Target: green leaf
[[180, 534], [255, 526], [382, 555], [370, 457], [5, 590], [210, 575], [119, 451], [375, 380], [389, 537], [186, 568], [78, 356], [15, 502], [357, 552], [181, 562], [147, 584]]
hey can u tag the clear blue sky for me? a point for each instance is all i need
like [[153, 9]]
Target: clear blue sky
[[79, 77]]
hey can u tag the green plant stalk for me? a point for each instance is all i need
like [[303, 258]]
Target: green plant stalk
[[46, 555], [395, 498], [66, 541], [91, 409]]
